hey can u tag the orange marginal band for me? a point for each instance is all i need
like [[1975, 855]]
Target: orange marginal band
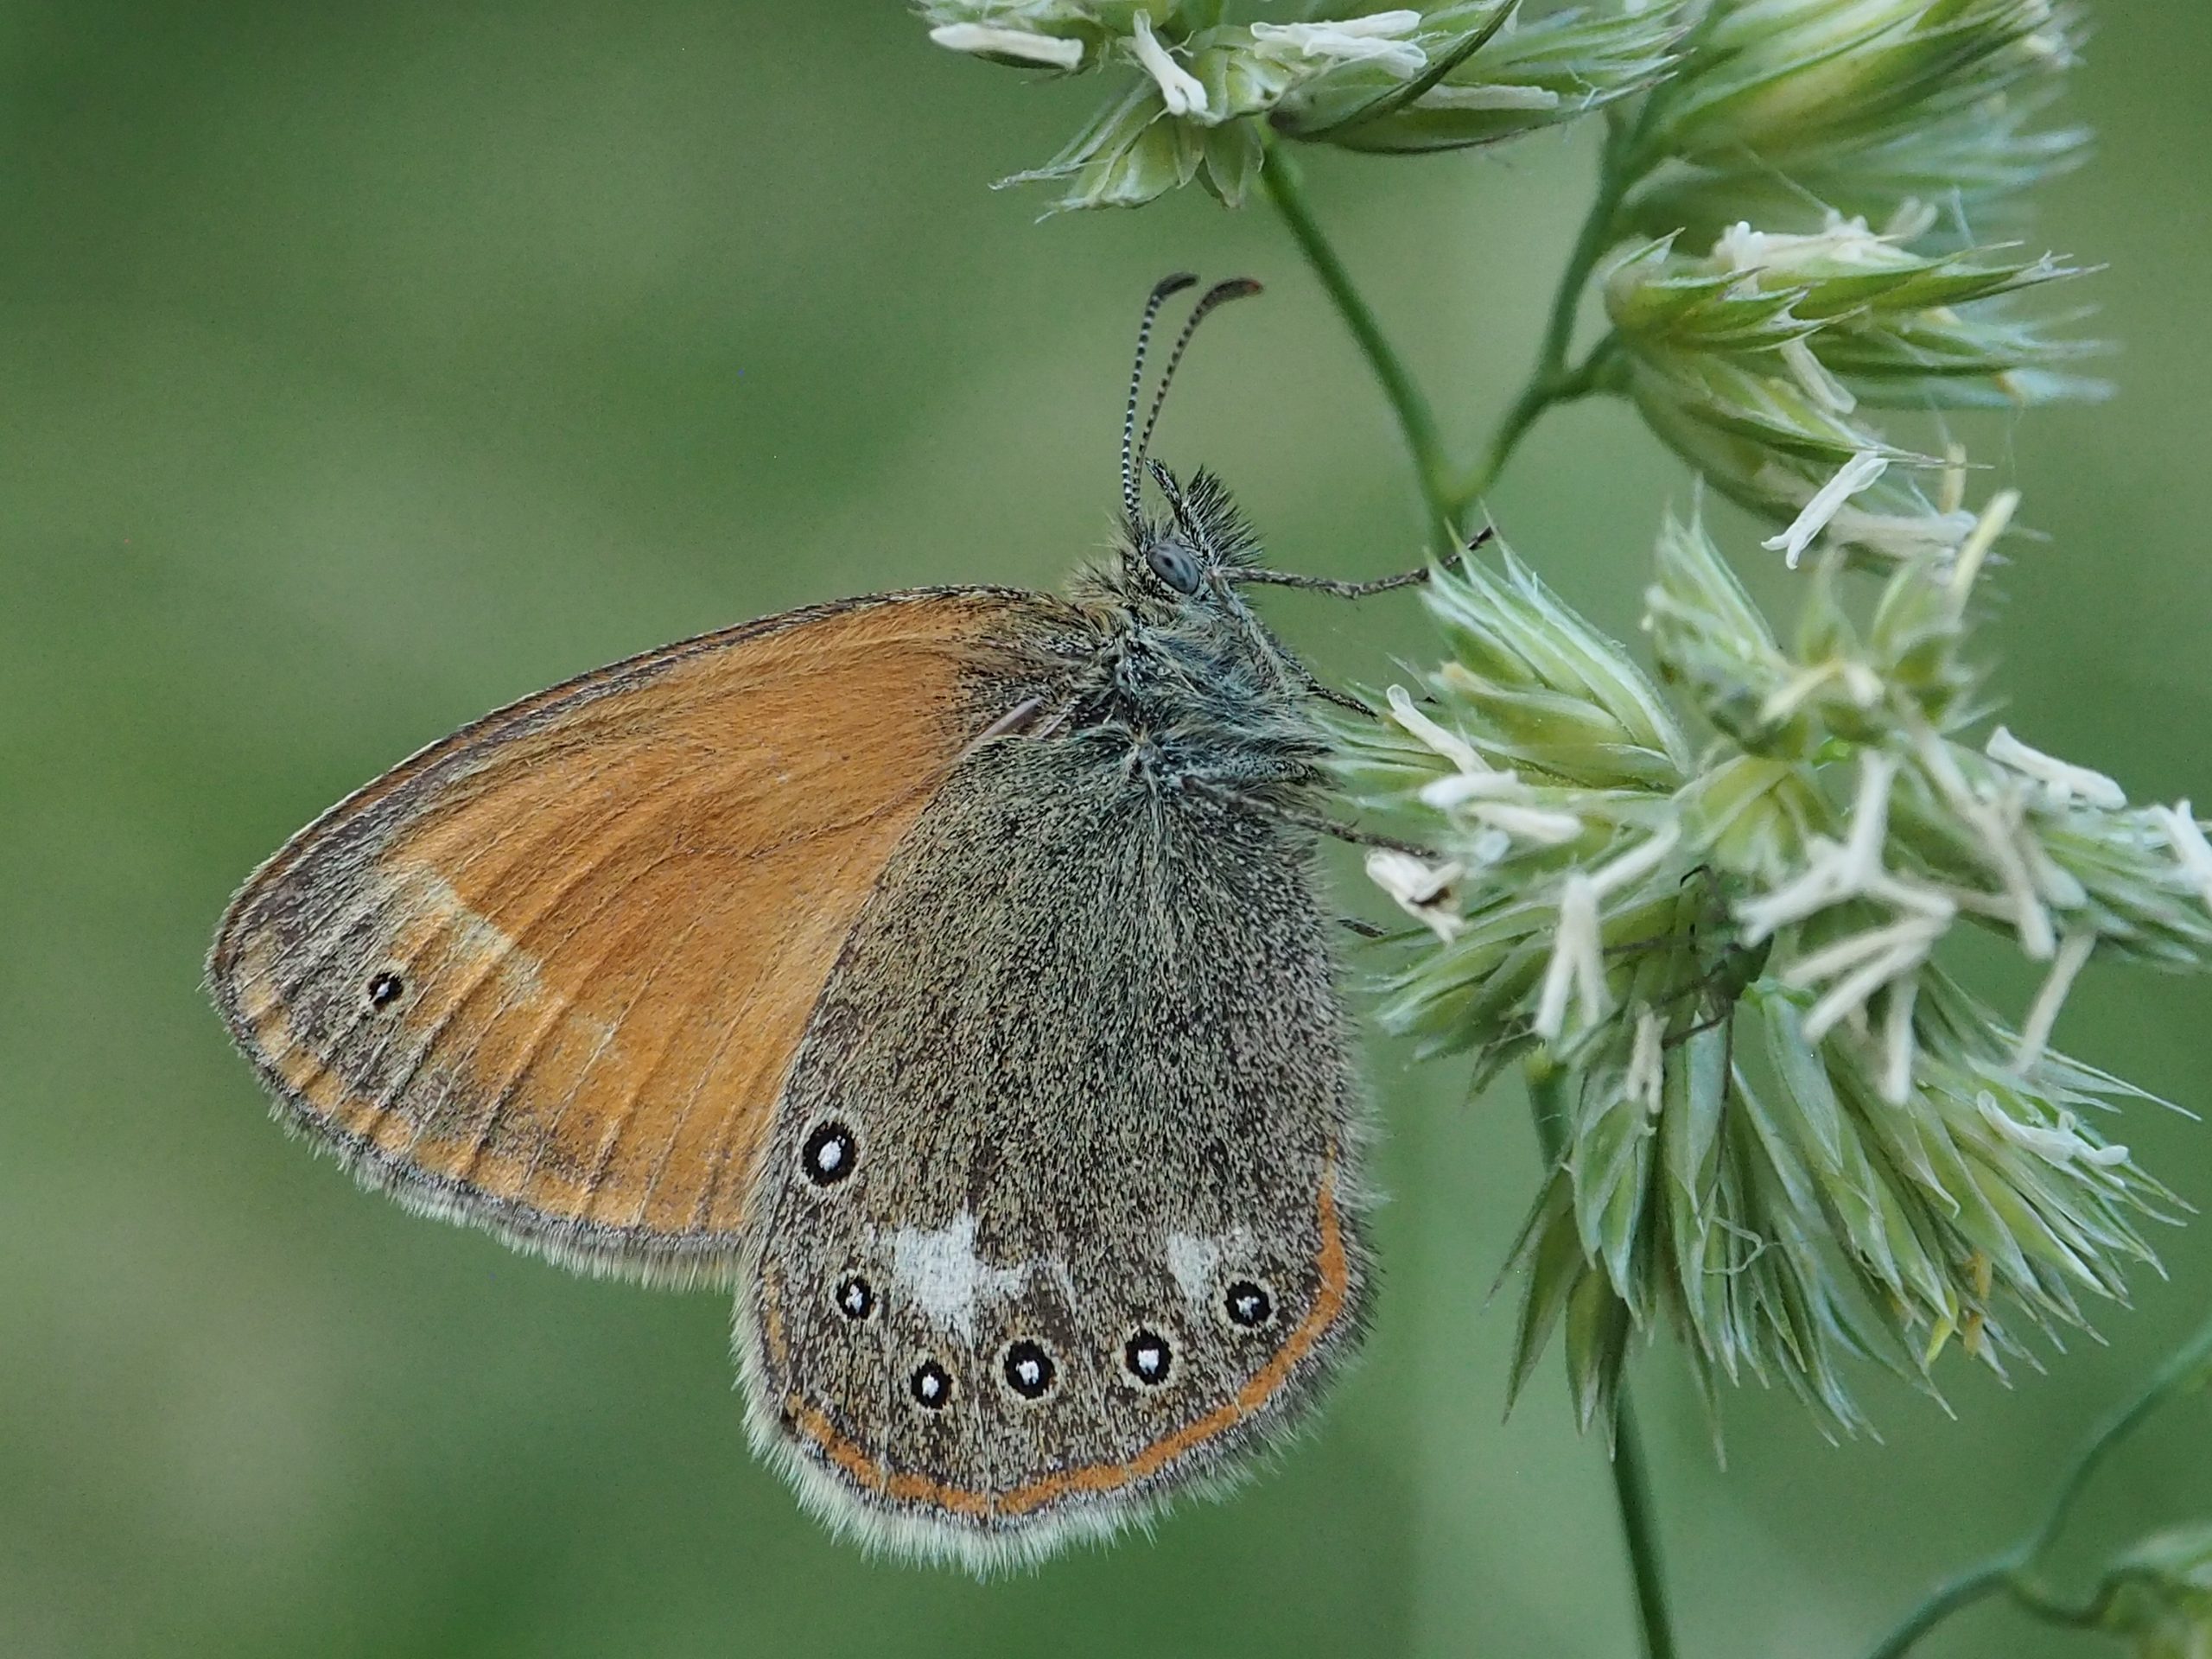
[[907, 1488]]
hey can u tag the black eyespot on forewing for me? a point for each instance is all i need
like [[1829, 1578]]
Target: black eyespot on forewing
[[1148, 1356], [931, 1386], [855, 1298], [1248, 1305], [1028, 1369], [829, 1154], [384, 990]]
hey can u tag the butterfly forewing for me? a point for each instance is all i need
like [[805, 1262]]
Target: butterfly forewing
[[550, 973]]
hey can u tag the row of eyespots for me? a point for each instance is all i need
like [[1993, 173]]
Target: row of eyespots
[[828, 1158], [1028, 1366]]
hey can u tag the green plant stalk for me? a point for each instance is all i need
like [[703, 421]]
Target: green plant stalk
[[2012, 1572], [1286, 187], [1631, 1480]]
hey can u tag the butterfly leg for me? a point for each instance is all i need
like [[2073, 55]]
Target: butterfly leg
[[1351, 589]]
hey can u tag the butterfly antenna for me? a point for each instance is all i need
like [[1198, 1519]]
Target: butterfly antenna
[[1166, 289], [1235, 287]]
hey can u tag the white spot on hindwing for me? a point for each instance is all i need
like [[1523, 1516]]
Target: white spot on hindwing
[[1192, 1257], [940, 1274]]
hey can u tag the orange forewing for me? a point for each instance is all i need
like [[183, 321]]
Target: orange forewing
[[609, 911]]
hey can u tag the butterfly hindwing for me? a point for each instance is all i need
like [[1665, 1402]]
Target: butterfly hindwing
[[550, 974], [1060, 1209]]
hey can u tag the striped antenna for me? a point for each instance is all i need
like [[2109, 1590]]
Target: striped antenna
[[1235, 287], [1166, 289]]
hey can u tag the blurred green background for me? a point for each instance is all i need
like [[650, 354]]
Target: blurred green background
[[364, 367]]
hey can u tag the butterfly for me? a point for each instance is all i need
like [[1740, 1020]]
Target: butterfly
[[944, 971]]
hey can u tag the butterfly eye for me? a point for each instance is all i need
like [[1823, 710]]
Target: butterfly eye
[[1029, 1369], [1148, 1356], [1248, 1305], [1175, 564]]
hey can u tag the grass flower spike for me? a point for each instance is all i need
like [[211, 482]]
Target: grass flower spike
[[1787, 1131], [1764, 361], [1194, 87]]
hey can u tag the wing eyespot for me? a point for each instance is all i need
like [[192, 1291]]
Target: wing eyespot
[[1149, 1356], [384, 990], [855, 1299], [931, 1386], [829, 1154], [1028, 1367], [1248, 1305]]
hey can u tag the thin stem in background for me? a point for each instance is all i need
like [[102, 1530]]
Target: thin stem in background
[[1285, 188], [1446, 492], [2012, 1572], [1631, 1477], [1552, 381]]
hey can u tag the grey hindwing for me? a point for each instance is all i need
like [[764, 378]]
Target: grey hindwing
[[1072, 1098]]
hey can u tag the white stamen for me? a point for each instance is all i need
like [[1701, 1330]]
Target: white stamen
[[1377, 38], [2042, 1012], [1488, 846], [1576, 936], [1898, 1044], [1913, 219], [1489, 95], [2059, 887], [2192, 851], [1980, 539], [1542, 825], [1450, 744], [1853, 950], [1834, 873], [1462, 787], [1635, 864], [2062, 1145], [1421, 889], [1577, 959], [1580, 938], [1951, 498], [2061, 781], [1841, 242], [1846, 998], [1901, 535], [1647, 1071], [986, 41], [1866, 963], [1179, 90], [1453, 748], [1854, 475], [2029, 919], [1810, 373]]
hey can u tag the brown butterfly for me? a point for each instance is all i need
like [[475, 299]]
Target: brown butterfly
[[943, 970]]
